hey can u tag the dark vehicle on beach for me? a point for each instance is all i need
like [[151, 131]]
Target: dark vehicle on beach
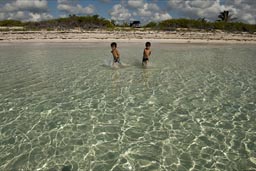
[[135, 24]]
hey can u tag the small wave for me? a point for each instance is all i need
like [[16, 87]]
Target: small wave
[[109, 63], [148, 65]]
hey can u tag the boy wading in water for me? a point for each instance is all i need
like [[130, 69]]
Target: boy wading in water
[[115, 53], [146, 54]]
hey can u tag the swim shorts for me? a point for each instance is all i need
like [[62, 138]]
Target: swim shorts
[[144, 59], [117, 60]]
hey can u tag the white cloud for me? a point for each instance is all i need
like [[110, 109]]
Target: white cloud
[[62, 1], [120, 13], [196, 8], [160, 16], [142, 12], [25, 16], [135, 3], [89, 9], [66, 7], [148, 9], [19, 15], [2, 16], [150, 12], [25, 10], [26, 5], [39, 17], [249, 18], [200, 4], [152, 6], [243, 10], [139, 10], [105, 1]]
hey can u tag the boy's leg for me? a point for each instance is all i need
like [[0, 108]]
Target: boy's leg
[[118, 60]]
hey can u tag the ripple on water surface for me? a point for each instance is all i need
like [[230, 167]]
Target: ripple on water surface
[[62, 109]]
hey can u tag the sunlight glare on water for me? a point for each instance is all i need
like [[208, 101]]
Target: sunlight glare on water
[[63, 108]]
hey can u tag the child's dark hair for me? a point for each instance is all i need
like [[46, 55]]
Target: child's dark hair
[[148, 44], [113, 44]]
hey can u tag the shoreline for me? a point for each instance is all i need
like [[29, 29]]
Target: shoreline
[[126, 36], [171, 41]]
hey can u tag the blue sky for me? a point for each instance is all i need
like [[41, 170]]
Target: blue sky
[[127, 10]]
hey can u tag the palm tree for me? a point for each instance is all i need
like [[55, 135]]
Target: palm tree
[[225, 16], [203, 20]]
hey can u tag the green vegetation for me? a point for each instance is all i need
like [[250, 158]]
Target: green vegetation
[[82, 22], [73, 21], [151, 25], [224, 23], [9, 23], [173, 24]]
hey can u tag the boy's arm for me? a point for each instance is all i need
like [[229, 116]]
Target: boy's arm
[[114, 54], [147, 53], [117, 54]]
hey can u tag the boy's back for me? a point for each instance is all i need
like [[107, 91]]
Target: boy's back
[[146, 53], [115, 53]]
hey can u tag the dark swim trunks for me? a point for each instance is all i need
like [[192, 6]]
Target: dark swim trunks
[[117, 60], [144, 59]]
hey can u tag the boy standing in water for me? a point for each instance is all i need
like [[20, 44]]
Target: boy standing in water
[[146, 54], [115, 53]]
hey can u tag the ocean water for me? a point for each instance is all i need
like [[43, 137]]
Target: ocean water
[[62, 108]]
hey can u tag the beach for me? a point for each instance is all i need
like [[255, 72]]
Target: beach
[[179, 36]]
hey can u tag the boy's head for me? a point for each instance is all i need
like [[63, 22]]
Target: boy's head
[[113, 45], [148, 44]]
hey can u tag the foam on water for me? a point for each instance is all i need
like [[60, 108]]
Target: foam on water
[[109, 63], [62, 110]]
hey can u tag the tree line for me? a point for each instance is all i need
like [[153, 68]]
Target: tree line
[[71, 22], [201, 24], [225, 22]]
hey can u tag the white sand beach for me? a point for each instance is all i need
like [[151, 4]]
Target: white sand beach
[[128, 36]]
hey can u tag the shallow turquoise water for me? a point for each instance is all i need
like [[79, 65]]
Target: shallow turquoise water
[[61, 108]]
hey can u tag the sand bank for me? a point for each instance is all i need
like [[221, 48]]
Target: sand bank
[[127, 36]]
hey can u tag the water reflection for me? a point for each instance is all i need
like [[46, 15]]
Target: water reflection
[[145, 77], [191, 111]]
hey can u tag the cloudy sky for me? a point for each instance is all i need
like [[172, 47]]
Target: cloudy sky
[[127, 10]]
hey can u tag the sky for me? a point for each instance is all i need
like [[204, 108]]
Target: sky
[[127, 10]]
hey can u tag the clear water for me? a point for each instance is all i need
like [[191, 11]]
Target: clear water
[[61, 108]]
